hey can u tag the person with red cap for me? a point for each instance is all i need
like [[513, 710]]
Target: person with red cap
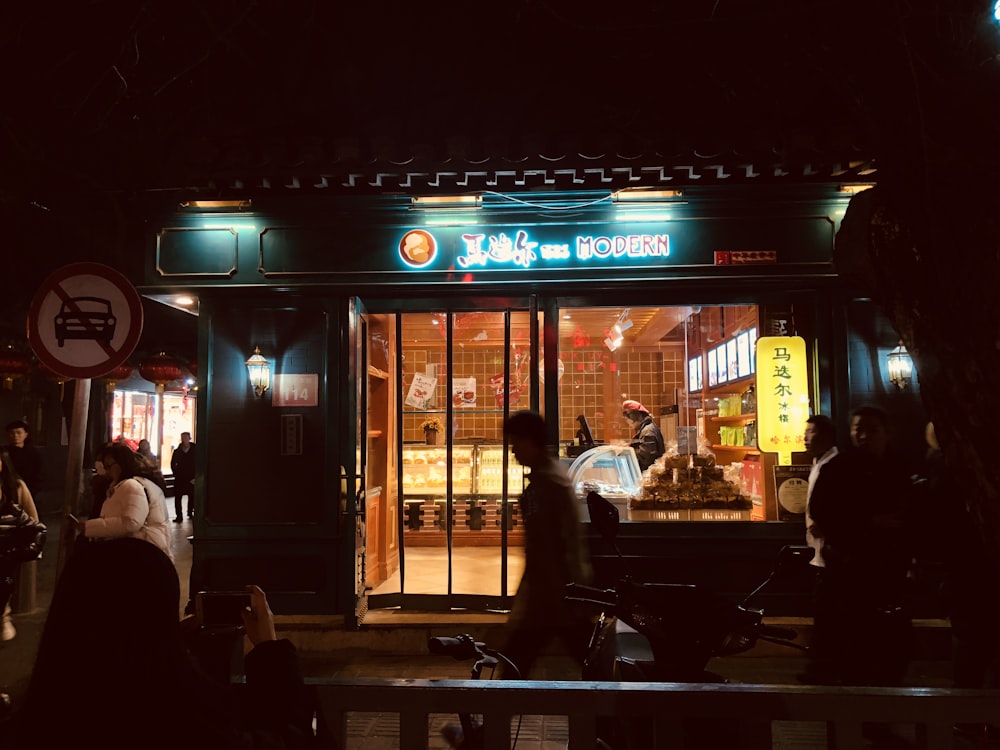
[[647, 442]]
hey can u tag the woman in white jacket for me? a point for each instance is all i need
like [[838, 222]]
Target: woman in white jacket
[[135, 506]]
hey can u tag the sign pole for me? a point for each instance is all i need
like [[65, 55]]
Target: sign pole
[[74, 469], [84, 321]]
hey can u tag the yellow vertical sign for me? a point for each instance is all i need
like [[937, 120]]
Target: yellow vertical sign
[[782, 395]]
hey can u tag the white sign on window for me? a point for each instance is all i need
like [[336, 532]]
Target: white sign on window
[[421, 391]]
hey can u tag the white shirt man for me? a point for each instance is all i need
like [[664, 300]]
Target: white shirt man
[[820, 437]]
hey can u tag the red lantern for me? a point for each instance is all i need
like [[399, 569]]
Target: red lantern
[[160, 370], [122, 372], [13, 364]]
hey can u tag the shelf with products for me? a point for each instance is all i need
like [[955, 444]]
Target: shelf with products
[[734, 418], [489, 471], [456, 412], [736, 448]]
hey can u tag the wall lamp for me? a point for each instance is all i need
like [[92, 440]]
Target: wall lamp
[[447, 201], [220, 206], [260, 373], [641, 195], [900, 367]]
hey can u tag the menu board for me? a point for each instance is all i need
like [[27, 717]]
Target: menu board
[[694, 374], [720, 356], [713, 371], [743, 359], [731, 359]]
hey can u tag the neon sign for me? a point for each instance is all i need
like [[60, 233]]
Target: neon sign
[[517, 248]]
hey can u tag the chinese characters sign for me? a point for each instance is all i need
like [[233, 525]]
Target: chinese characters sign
[[782, 395], [518, 249]]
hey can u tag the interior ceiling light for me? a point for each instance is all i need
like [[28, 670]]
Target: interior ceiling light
[[616, 335]]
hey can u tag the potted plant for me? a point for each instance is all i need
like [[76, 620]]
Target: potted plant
[[431, 427]]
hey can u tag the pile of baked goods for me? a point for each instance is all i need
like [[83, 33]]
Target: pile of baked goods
[[678, 481]]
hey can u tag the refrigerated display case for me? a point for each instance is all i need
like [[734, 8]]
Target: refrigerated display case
[[612, 471], [425, 470], [477, 490], [489, 472]]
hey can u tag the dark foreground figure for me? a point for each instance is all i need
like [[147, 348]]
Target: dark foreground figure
[[114, 669]]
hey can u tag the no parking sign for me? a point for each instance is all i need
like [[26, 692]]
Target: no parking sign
[[85, 320]]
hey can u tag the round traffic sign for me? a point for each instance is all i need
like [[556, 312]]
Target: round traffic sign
[[85, 320]]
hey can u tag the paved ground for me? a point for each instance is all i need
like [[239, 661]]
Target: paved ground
[[380, 731]]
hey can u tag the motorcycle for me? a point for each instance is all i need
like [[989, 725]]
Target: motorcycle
[[645, 632], [469, 735], [667, 632]]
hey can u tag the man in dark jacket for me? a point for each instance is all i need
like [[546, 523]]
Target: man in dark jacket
[[26, 458], [554, 553], [182, 465], [858, 507]]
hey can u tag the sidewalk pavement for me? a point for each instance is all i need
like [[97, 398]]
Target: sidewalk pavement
[[329, 650]]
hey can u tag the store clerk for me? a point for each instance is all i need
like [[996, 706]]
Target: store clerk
[[647, 440]]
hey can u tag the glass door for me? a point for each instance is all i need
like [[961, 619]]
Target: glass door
[[462, 372]]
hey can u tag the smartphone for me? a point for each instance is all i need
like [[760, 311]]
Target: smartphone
[[220, 608]]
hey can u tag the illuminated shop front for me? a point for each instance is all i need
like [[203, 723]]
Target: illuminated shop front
[[424, 324], [134, 417]]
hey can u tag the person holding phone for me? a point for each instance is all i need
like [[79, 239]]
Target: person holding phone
[[113, 653]]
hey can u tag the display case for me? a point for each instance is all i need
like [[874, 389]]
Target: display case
[[478, 510], [489, 472], [610, 470], [425, 470]]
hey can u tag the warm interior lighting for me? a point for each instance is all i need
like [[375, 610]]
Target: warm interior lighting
[[447, 201], [630, 195], [184, 300], [234, 205], [856, 188], [260, 373], [900, 367]]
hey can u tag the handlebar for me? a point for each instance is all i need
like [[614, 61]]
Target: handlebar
[[577, 592], [460, 648]]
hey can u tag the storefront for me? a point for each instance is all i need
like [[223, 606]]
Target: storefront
[[138, 412], [400, 332]]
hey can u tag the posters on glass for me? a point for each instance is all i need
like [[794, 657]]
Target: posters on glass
[[720, 355], [713, 372]]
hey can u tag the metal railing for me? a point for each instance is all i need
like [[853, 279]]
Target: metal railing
[[925, 715]]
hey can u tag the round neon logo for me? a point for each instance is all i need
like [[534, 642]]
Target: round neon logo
[[417, 248]]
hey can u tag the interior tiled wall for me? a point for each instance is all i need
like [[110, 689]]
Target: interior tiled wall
[[480, 421], [596, 382], [593, 379]]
